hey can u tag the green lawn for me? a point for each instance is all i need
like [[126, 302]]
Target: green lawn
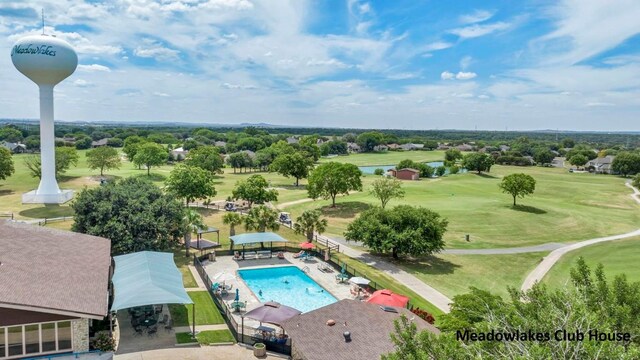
[[565, 207], [454, 274], [183, 262], [618, 257], [206, 337], [387, 157], [206, 311]]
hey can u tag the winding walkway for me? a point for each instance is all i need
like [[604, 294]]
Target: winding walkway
[[543, 268]]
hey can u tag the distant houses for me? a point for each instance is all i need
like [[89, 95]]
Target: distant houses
[[179, 154], [411, 146], [101, 142], [601, 165], [15, 148], [353, 147]]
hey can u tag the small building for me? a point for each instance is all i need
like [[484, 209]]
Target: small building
[[412, 146], [601, 165], [101, 142], [53, 283], [15, 148], [405, 174], [353, 147], [465, 147], [179, 153], [368, 326]]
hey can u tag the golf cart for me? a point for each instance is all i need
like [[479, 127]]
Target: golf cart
[[285, 218], [230, 206]]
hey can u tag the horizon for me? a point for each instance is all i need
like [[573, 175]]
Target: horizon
[[531, 66]]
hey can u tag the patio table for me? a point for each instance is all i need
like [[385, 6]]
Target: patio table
[[149, 322]]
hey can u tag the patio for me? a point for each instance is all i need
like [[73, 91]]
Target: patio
[[227, 264]]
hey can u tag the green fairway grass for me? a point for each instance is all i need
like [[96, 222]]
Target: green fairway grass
[[454, 274], [618, 257], [565, 207], [387, 157]]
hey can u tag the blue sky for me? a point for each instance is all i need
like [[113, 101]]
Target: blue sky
[[492, 65]]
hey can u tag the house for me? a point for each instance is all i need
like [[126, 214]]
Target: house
[[465, 147], [404, 174], [179, 153], [353, 147], [15, 148], [443, 147], [52, 287], [292, 140], [361, 331], [380, 148], [505, 148], [411, 146], [101, 142], [393, 146], [601, 165], [220, 143]]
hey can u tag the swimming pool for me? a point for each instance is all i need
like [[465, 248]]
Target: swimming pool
[[287, 285]]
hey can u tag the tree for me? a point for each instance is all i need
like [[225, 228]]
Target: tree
[[636, 181], [6, 163], [386, 189], [369, 140], [255, 189], [150, 154], [133, 213], [567, 143], [261, 219], [407, 163], [336, 147], [518, 185], [10, 134], [543, 156], [454, 169], [83, 142], [589, 304], [239, 160], [192, 222], [232, 219], [626, 163], [405, 229], [103, 157], [333, 178], [295, 164], [477, 162], [441, 170], [65, 157], [207, 158], [578, 160], [190, 183], [452, 155], [309, 222], [131, 146]]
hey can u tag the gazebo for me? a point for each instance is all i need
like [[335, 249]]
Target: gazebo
[[147, 278], [204, 244], [256, 238]]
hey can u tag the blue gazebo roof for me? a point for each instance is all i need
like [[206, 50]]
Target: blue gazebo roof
[[147, 278], [254, 238]]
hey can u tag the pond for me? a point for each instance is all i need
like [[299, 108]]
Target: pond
[[368, 170]]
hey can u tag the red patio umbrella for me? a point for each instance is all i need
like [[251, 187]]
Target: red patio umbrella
[[388, 298], [306, 245]]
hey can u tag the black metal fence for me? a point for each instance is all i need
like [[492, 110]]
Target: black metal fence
[[236, 330]]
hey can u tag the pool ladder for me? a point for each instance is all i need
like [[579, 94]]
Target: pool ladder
[[305, 269]]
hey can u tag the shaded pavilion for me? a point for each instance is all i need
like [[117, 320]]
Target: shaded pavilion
[[249, 239]]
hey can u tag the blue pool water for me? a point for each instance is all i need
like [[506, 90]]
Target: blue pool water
[[370, 169], [287, 285]]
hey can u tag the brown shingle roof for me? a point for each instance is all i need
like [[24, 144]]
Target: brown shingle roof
[[46, 269], [369, 325]]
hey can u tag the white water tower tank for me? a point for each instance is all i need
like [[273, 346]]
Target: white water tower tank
[[46, 60]]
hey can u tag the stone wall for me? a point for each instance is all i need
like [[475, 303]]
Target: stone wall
[[80, 334]]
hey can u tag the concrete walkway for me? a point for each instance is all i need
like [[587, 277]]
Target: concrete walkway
[[543, 268], [188, 329], [503, 251]]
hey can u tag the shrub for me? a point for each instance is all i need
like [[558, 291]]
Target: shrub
[[424, 315], [454, 170], [104, 342], [378, 171]]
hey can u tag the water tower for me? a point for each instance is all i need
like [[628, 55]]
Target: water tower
[[46, 60]]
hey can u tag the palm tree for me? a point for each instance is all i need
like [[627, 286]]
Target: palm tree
[[310, 222], [192, 221], [261, 219], [232, 219]]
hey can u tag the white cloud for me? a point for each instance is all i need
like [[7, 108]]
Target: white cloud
[[465, 62], [160, 94], [477, 30], [476, 16], [438, 45], [329, 62], [82, 83], [238, 86], [446, 75], [93, 68], [157, 51], [599, 104], [465, 75]]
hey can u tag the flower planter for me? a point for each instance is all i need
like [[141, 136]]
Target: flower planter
[[259, 350]]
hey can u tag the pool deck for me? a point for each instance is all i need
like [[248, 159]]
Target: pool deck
[[226, 263]]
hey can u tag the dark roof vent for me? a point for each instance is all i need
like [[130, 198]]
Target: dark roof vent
[[347, 336], [388, 309]]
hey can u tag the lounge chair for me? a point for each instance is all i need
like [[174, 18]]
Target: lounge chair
[[237, 256], [301, 253], [280, 255]]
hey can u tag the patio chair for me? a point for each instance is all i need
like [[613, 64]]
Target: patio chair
[[153, 331], [169, 325], [165, 317], [137, 331], [237, 256], [302, 252], [280, 255]]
